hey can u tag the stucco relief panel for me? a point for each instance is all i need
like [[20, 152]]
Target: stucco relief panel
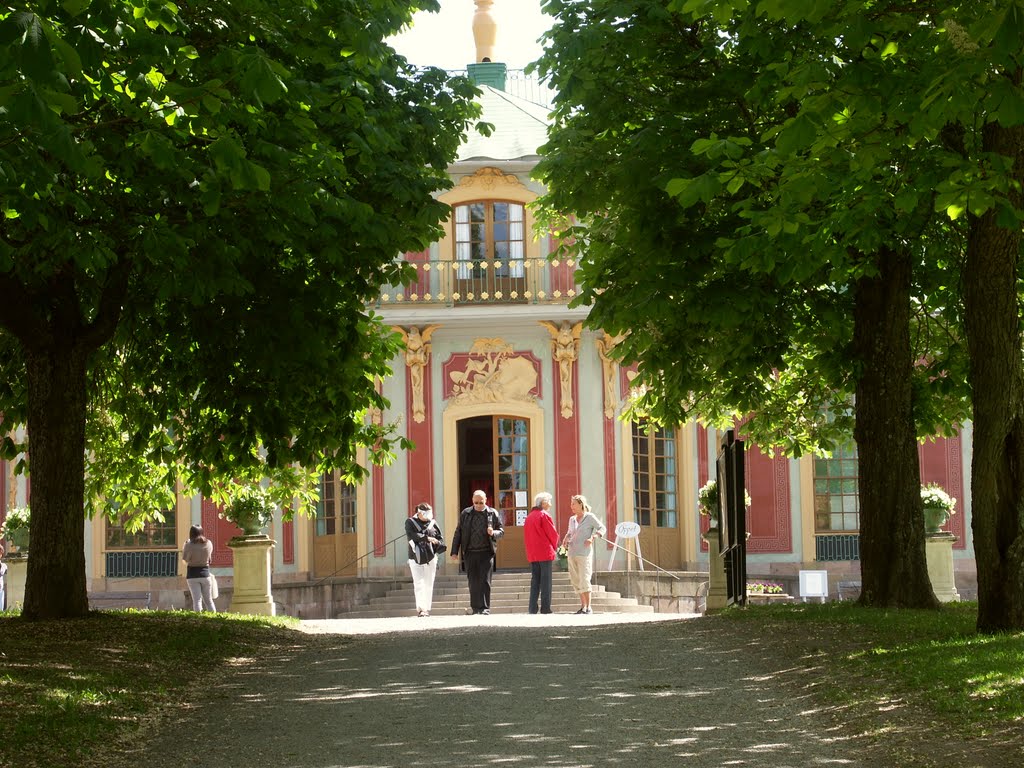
[[491, 372]]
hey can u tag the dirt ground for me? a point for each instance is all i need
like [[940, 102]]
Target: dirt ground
[[550, 691]]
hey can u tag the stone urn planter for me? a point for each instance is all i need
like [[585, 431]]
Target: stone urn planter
[[251, 510], [708, 503], [938, 507]]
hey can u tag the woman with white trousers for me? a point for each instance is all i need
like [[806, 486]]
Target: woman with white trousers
[[426, 542]]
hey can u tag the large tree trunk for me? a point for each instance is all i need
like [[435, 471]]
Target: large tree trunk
[[894, 572], [55, 585], [992, 316]]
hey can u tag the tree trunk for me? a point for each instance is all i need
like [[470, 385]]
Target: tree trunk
[[991, 312], [55, 585], [894, 572]]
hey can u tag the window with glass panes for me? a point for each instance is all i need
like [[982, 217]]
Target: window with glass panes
[[326, 516], [490, 231], [836, 498], [654, 476], [336, 510], [346, 507], [512, 468], [154, 534]]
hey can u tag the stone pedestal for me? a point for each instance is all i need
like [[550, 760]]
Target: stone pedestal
[[14, 581], [251, 590], [718, 590], [938, 549]]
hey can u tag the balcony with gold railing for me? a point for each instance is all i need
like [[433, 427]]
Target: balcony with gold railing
[[484, 281]]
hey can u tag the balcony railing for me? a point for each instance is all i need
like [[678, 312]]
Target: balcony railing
[[487, 281]]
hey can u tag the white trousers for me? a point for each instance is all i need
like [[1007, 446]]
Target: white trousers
[[202, 595], [423, 583]]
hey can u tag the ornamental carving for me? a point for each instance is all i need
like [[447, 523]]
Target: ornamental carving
[[417, 352], [565, 349], [489, 178], [605, 344], [493, 373]]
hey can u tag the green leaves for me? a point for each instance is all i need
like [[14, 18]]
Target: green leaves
[[810, 151], [23, 32], [689, 192], [249, 186]]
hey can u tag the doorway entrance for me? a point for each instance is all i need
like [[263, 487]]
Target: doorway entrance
[[335, 547], [655, 500], [494, 457]]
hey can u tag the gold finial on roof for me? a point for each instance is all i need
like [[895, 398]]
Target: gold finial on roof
[[485, 31]]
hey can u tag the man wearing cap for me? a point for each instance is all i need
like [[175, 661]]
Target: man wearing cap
[[475, 542]]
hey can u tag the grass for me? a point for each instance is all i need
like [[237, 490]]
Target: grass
[[68, 688], [935, 659]]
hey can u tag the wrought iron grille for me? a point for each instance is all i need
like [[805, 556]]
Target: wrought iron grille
[[121, 565], [837, 547]]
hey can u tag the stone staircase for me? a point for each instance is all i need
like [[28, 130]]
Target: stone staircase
[[510, 593]]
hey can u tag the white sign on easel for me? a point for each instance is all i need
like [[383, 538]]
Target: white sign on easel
[[628, 531]]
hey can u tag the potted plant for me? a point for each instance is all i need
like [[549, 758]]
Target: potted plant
[[250, 508], [707, 501], [15, 529], [938, 507], [562, 558]]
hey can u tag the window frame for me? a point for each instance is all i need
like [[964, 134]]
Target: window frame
[[660, 484]]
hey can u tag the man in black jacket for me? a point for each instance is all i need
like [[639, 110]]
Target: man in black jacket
[[476, 541]]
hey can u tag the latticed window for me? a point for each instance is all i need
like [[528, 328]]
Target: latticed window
[[654, 476], [336, 510], [512, 468], [491, 238], [326, 520], [346, 508], [836, 496], [154, 534]]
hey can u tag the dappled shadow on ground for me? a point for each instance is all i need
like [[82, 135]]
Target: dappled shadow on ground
[[681, 693]]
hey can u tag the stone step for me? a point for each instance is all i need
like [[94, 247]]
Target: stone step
[[510, 593], [461, 610], [450, 602]]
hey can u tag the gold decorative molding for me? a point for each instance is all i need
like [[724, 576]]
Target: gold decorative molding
[[565, 349], [489, 178], [494, 374], [417, 352], [605, 344]]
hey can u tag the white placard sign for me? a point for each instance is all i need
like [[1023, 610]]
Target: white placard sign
[[521, 498], [627, 530], [521, 516]]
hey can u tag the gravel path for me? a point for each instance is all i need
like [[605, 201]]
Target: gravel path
[[498, 690]]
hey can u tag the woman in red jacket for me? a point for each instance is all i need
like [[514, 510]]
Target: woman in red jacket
[[540, 537]]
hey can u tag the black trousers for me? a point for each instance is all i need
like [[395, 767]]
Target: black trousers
[[478, 571], [540, 586]]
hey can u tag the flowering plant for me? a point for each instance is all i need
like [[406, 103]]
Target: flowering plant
[[251, 509], [707, 499], [562, 551], [764, 588], [15, 528], [933, 497], [17, 520]]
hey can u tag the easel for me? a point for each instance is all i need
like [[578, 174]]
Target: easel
[[630, 532]]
